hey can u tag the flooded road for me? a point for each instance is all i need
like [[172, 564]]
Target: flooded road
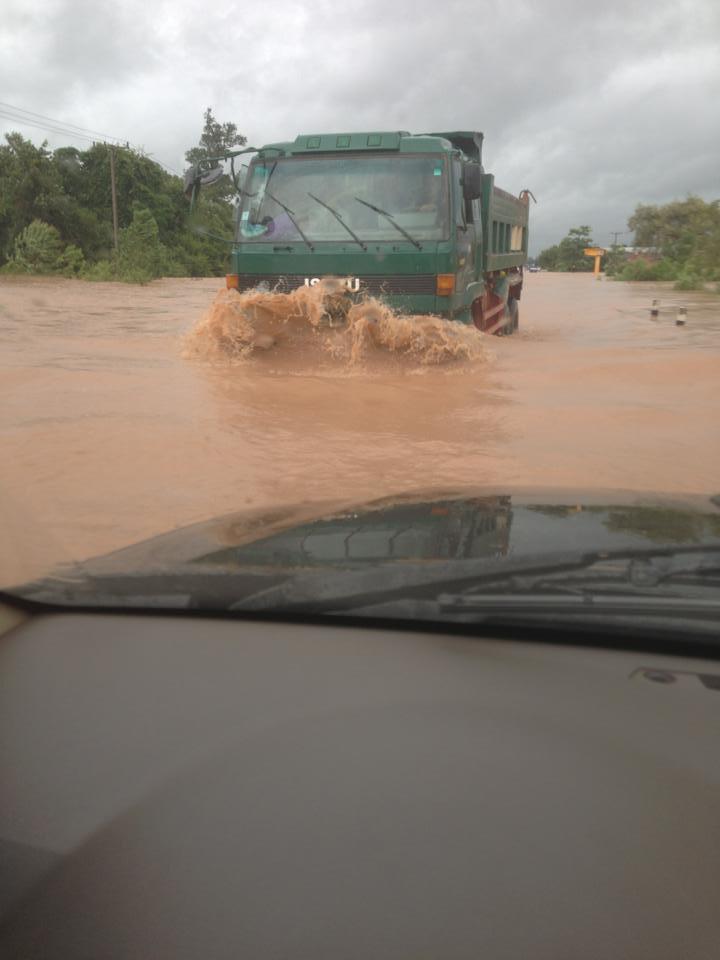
[[116, 427]]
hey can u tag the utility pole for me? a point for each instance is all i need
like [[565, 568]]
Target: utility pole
[[615, 234], [114, 198]]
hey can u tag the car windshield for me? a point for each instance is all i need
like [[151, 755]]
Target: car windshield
[[320, 194], [400, 308]]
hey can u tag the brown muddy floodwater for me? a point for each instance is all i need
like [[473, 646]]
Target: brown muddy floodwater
[[120, 420]]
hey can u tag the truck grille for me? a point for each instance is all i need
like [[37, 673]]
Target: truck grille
[[374, 285]]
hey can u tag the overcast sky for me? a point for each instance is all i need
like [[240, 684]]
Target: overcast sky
[[594, 106]]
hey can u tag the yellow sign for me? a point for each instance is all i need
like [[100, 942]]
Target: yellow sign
[[596, 252]]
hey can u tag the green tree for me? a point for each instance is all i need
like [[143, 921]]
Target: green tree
[[142, 183], [686, 236], [569, 254], [572, 250], [213, 212], [27, 181], [646, 225], [548, 258], [69, 191], [216, 139], [79, 221]]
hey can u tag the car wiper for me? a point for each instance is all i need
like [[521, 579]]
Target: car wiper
[[586, 602], [392, 220], [625, 572], [677, 618], [339, 219], [326, 590]]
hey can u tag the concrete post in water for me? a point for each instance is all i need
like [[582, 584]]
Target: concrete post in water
[[681, 317], [654, 309]]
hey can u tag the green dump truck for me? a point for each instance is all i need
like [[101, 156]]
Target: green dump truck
[[411, 219]]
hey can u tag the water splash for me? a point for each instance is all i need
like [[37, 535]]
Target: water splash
[[318, 325]]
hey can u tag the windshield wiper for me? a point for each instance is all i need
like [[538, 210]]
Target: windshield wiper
[[326, 591], [585, 602], [392, 220], [339, 219], [291, 216], [288, 211]]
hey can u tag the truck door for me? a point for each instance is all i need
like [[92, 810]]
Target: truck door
[[468, 228]]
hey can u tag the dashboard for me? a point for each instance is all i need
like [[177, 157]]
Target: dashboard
[[185, 787]]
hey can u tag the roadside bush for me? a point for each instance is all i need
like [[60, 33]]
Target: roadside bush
[[667, 270], [134, 274], [614, 262], [13, 269], [101, 271], [702, 268], [71, 261], [199, 265], [174, 268], [141, 255], [37, 249], [198, 257], [688, 280], [643, 270]]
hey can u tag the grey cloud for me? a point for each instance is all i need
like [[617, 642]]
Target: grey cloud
[[596, 109]]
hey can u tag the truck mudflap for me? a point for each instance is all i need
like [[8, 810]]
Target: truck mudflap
[[491, 312]]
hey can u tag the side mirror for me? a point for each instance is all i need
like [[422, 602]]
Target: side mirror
[[472, 181], [190, 181], [195, 177], [211, 176]]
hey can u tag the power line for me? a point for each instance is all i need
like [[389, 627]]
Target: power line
[[59, 123], [163, 165], [69, 130], [44, 126]]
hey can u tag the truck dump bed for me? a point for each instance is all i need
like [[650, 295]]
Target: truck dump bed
[[505, 228], [504, 216]]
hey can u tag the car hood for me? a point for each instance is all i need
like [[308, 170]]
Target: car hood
[[433, 526]]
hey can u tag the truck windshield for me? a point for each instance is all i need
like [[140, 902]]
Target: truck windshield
[[412, 189]]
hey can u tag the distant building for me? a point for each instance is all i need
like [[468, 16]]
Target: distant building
[[648, 254]]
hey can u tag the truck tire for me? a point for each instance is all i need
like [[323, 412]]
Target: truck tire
[[510, 316]]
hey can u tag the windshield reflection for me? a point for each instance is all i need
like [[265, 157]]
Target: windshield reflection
[[488, 528]]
